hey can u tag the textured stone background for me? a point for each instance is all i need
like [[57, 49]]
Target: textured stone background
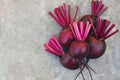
[[25, 26]]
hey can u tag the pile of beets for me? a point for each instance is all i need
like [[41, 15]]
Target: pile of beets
[[82, 40]]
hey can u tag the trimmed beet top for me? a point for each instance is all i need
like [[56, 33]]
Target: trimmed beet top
[[80, 41]]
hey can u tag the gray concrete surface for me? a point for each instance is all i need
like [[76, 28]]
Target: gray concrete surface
[[25, 26]]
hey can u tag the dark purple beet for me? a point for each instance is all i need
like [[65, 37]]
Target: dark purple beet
[[97, 47], [69, 62], [92, 19], [54, 47], [79, 49], [66, 37], [88, 18]]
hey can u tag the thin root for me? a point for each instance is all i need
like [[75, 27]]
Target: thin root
[[91, 69], [81, 69], [82, 76], [89, 72]]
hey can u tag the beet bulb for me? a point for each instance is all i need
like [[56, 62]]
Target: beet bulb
[[92, 19], [70, 62], [97, 9], [89, 18], [54, 47], [66, 37], [63, 17], [97, 47], [80, 47]]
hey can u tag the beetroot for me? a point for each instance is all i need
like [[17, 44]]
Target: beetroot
[[97, 43], [69, 62], [66, 60], [64, 19], [79, 48], [89, 18], [92, 19], [66, 37], [97, 47], [97, 8]]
